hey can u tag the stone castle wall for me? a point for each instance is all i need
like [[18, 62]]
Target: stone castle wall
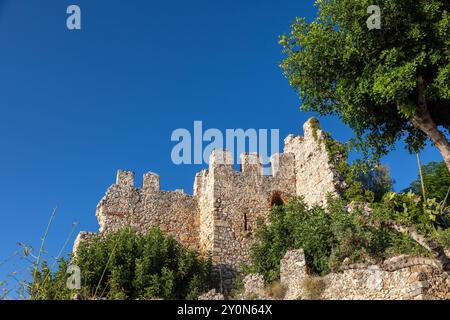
[[314, 174], [231, 203], [221, 216], [400, 278], [141, 208]]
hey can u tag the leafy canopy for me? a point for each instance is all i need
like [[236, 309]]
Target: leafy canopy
[[369, 77]]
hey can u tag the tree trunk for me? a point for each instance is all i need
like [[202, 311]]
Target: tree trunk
[[422, 120]]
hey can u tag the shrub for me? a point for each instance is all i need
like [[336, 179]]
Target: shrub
[[443, 237], [129, 265], [409, 209], [48, 285]]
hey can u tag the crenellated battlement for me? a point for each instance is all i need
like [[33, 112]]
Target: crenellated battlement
[[221, 215], [151, 182], [125, 178], [251, 163]]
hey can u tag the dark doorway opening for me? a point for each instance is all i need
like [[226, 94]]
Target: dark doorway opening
[[276, 199]]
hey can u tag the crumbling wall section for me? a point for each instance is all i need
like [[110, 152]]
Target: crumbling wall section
[[399, 278], [315, 175]]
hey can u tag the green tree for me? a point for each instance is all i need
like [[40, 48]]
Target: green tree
[[436, 180], [378, 180], [387, 84]]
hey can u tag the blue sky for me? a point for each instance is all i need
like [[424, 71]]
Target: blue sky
[[78, 105]]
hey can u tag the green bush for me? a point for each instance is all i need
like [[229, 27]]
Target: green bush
[[443, 237], [129, 265], [48, 285], [426, 217], [326, 236], [436, 206], [405, 208]]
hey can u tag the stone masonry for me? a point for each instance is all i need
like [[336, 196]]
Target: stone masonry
[[399, 278], [220, 217]]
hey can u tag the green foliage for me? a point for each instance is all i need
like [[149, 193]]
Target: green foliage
[[326, 236], [363, 181], [129, 265], [409, 209], [377, 180], [405, 208], [48, 285], [369, 77], [436, 179], [238, 288], [443, 237]]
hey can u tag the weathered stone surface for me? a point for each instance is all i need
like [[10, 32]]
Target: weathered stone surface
[[314, 174], [82, 237], [398, 278], [211, 295], [293, 272], [253, 286]]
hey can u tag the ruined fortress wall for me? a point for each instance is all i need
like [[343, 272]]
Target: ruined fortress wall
[[204, 193], [221, 216], [315, 175], [416, 282], [231, 203], [399, 278], [124, 205]]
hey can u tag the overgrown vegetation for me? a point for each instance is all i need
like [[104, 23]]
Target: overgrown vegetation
[[327, 237], [436, 179], [353, 227], [362, 181], [128, 265]]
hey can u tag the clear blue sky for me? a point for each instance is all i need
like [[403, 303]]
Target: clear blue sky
[[78, 105]]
